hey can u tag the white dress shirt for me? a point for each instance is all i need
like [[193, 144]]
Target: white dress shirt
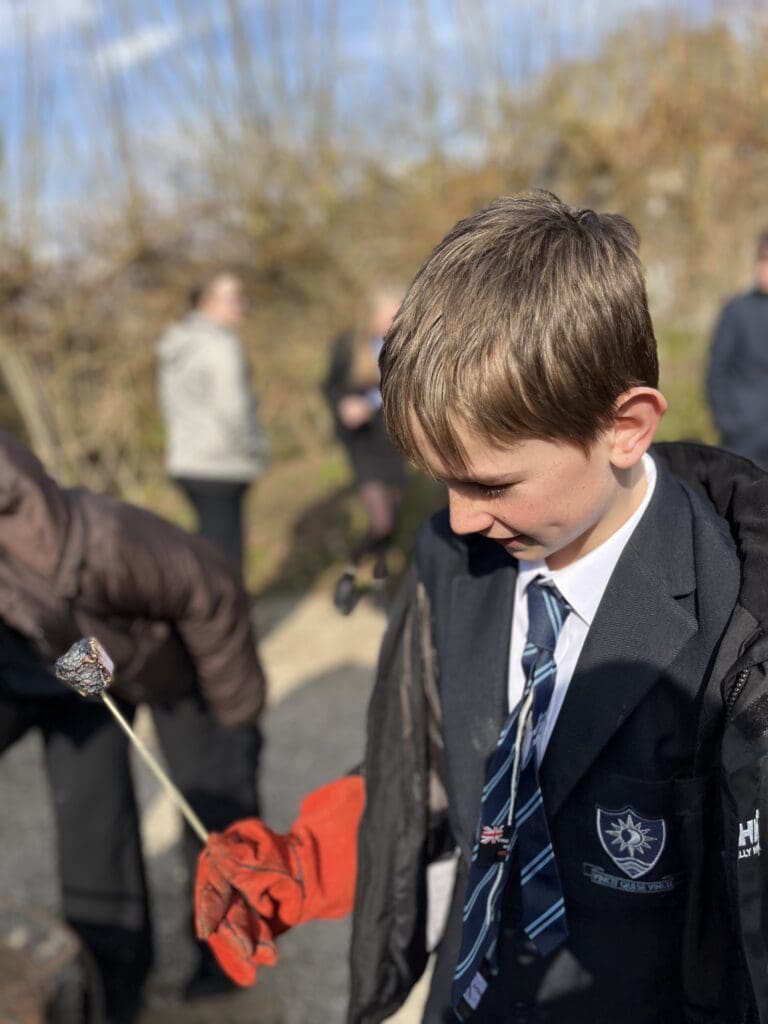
[[582, 584]]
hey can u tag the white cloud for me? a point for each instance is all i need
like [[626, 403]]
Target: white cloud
[[141, 45]]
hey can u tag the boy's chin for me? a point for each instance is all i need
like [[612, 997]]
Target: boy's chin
[[526, 549]]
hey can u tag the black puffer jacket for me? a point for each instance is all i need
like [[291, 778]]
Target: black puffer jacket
[[406, 802]]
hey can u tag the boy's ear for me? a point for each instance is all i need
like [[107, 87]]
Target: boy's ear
[[637, 415]]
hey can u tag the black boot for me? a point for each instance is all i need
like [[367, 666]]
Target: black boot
[[379, 594], [123, 959], [346, 594]]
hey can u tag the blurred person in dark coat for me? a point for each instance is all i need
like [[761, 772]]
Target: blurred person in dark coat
[[738, 372], [172, 614], [352, 390], [215, 444]]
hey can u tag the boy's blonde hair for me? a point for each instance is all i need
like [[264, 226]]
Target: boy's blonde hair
[[528, 320]]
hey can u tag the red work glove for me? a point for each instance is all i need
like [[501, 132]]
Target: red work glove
[[253, 884]]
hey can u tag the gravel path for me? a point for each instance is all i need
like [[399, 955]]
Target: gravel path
[[320, 668]]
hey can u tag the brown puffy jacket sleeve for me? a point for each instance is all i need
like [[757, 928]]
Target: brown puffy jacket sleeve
[[166, 605], [141, 567]]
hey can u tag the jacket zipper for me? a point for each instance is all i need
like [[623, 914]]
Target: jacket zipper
[[735, 691], [748, 1014]]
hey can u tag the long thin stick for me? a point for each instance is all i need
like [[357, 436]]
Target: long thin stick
[[173, 792]]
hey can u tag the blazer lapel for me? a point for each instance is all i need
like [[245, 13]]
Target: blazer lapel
[[639, 629], [474, 674]]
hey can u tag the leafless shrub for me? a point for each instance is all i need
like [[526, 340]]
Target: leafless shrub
[[312, 190]]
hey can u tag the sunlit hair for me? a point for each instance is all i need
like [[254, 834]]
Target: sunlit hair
[[528, 320]]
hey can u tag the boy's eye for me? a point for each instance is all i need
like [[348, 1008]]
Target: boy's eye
[[470, 489], [491, 492]]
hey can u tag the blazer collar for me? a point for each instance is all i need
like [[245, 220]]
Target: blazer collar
[[641, 625]]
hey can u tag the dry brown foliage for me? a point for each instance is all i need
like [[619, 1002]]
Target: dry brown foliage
[[668, 123]]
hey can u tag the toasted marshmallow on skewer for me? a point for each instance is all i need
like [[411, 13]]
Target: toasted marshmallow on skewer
[[88, 670], [86, 667]]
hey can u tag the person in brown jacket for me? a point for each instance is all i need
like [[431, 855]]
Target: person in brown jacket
[[175, 619]]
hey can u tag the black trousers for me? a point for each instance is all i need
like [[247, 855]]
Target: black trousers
[[219, 508], [104, 891]]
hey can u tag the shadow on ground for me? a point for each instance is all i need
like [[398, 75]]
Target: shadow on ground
[[315, 733], [321, 538]]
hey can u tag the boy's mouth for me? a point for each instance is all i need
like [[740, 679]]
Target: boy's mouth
[[516, 541]]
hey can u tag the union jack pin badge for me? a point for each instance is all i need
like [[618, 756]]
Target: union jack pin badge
[[493, 844]]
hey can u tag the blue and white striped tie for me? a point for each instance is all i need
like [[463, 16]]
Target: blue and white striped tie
[[512, 814]]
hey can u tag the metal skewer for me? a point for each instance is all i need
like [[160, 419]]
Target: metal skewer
[[88, 670]]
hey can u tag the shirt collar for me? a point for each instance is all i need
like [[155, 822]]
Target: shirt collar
[[583, 582]]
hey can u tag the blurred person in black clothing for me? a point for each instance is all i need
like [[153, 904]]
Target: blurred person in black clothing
[[174, 617], [352, 390], [738, 372]]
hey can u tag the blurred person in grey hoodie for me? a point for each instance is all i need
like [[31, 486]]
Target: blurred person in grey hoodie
[[215, 446]]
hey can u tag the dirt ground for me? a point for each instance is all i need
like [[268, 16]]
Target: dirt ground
[[320, 668]]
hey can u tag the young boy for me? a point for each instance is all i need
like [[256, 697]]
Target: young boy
[[571, 691]]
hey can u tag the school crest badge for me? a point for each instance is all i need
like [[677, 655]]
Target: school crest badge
[[633, 843]]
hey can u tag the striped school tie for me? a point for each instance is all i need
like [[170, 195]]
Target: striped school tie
[[512, 815]]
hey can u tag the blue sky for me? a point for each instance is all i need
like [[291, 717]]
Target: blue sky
[[154, 61]]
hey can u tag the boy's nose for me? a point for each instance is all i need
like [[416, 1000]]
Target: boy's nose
[[467, 516]]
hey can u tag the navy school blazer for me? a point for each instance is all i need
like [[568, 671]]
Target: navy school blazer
[[644, 716]]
